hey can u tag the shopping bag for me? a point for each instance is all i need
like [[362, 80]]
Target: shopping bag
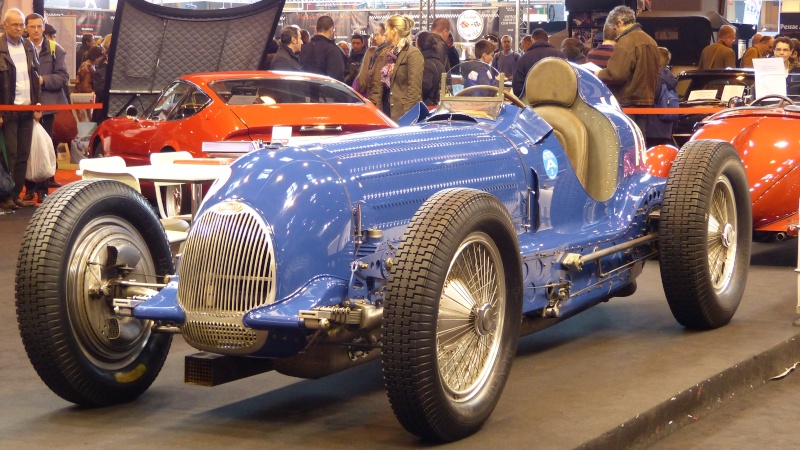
[[42, 159], [65, 127], [6, 182]]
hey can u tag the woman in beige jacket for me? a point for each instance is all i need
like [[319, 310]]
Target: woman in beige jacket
[[397, 86]]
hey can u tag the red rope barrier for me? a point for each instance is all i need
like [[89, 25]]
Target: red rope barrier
[[50, 107], [697, 110]]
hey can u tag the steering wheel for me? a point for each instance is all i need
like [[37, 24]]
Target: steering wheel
[[783, 100], [489, 91]]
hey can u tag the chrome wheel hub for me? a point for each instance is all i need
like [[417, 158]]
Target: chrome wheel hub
[[107, 340], [728, 235], [485, 320]]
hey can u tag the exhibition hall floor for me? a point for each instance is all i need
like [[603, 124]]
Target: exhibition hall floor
[[621, 374]]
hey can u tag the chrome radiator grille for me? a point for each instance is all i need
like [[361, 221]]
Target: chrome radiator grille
[[227, 269]]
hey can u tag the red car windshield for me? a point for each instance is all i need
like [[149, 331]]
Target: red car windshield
[[276, 91]]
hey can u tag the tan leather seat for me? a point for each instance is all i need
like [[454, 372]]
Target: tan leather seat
[[587, 135]]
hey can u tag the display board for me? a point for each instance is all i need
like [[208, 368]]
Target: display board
[[65, 36], [586, 18]]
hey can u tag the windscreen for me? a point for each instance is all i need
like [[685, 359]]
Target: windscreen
[[275, 91], [471, 88]]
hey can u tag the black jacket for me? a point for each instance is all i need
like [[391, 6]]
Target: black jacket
[[321, 55], [8, 74], [535, 52], [353, 67], [285, 59], [443, 53], [432, 77]]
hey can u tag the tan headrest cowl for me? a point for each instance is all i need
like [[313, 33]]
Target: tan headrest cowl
[[551, 81]]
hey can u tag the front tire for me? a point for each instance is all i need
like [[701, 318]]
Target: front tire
[[73, 246], [705, 234], [452, 315]]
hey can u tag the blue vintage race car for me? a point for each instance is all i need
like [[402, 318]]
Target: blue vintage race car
[[433, 246]]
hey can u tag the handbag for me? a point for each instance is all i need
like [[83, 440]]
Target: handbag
[[6, 182], [65, 127]]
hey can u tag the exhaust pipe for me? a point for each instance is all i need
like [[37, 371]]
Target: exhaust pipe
[[781, 236]]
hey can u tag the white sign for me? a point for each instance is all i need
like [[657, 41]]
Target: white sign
[[702, 94], [730, 91], [770, 76], [469, 25], [281, 135]]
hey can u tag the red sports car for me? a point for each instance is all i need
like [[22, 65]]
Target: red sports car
[[236, 106], [766, 134]]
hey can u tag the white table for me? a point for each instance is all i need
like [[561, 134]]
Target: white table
[[192, 174]]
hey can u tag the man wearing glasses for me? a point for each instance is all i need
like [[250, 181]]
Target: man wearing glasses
[[19, 85]]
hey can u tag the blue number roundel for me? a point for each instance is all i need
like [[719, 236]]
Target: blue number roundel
[[550, 164]]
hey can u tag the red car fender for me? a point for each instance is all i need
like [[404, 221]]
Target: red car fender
[[660, 158], [769, 154]]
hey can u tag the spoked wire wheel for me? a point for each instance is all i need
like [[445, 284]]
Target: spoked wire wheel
[[722, 232], [452, 314], [471, 311]]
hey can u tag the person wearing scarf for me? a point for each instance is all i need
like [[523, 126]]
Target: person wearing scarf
[[399, 82]]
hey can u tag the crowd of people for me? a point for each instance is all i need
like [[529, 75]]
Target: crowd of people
[[400, 69], [720, 55], [38, 75], [395, 73]]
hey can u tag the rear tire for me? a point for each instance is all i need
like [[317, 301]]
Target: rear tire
[[705, 234], [454, 295], [80, 348]]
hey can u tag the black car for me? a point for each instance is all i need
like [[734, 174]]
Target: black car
[[707, 80]]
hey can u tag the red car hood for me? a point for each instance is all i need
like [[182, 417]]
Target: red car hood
[[309, 119]]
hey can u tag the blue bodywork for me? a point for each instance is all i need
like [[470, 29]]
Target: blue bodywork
[[320, 199]]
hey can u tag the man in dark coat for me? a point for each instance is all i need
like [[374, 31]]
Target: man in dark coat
[[321, 55], [286, 58], [19, 85], [540, 48], [441, 30], [434, 68], [453, 59], [87, 42], [356, 58]]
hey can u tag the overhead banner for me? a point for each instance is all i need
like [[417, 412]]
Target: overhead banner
[[467, 25], [96, 22], [752, 11], [790, 24], [507, 22], [345, 23]]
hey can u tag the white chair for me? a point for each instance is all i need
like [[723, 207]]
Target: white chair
[[170, 206], [177, 230], [112, 162]]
